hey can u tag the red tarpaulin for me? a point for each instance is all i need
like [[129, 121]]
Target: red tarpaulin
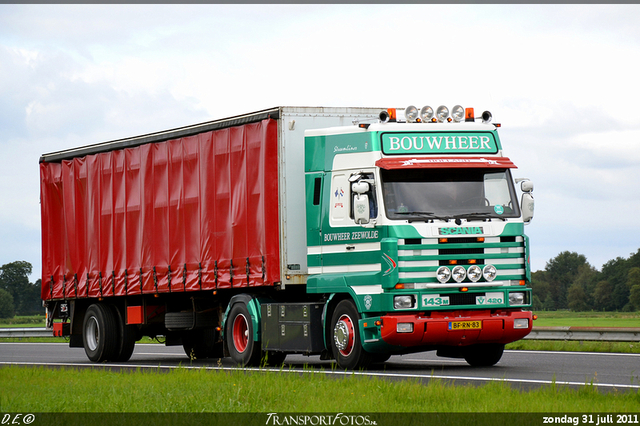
[[199, 212]]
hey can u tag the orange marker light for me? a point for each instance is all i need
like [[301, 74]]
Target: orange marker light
[[443, 240], [399, 286], [464, 289]]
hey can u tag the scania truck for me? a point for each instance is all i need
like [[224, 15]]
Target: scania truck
[[354, 234]]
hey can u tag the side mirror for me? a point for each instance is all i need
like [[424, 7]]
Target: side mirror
[[361, 213], [527, 205]]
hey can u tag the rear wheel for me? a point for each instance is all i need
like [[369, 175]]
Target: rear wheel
[[345, 337], [127, 337], [239, 335], [483, 355], [100, 333]]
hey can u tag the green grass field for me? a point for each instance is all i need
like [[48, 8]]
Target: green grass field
[[182, 390]]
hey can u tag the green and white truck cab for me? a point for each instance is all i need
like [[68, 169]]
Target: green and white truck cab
[[417, 220]]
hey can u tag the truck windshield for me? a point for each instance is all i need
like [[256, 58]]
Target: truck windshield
[[423, 194]]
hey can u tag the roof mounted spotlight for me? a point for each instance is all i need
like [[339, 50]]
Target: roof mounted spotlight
[[426, 113], [486, 117], [457, 113], [442, 113], [411, 114]]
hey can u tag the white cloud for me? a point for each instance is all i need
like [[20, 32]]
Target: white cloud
[[560, 78]]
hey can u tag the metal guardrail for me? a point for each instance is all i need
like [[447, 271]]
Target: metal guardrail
[[611, 334], [607, 334], [26, 332]]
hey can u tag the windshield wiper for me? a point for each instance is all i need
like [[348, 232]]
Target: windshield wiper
[[426, 215], [478, 215]]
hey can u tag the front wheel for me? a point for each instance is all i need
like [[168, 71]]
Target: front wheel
[[244, 350], [483, 355], [345, 337]]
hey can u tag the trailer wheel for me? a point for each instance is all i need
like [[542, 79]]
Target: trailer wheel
[[345, 337], [100, 333], [483, 355], [128, 337], [239, 334]]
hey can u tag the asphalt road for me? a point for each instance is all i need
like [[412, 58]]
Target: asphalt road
[[522, 369]]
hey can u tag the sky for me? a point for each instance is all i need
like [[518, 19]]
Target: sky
[[563, 80]]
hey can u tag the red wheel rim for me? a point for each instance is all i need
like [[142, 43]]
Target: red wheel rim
[[344, 335], [240, 333]]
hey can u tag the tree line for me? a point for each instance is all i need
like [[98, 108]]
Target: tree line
[[17, 295], [567, 282], [570, 282]]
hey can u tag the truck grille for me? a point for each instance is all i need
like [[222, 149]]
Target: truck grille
[[420, 258]]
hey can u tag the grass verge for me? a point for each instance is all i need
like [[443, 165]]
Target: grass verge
[[186, 390]]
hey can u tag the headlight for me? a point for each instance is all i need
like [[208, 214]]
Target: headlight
[[474, 273], [403, 302], [411, 113], [521, 323], [459, 273], [516, 298], [404, 327], [443, 274], [489, 272]]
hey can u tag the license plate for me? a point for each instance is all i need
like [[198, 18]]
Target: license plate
[[465, 325]]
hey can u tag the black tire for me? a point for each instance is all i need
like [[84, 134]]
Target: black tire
[[483, 355], [100, 333], [344, 337], [128, 337], [239, 336]]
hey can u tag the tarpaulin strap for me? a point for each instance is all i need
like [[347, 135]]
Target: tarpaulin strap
[[200, 274], [87, 295], [75, 284], [113, 274], [169, 276], [155, 279], [100, 282], [126, 282], [64, 287], [231, 273], [184, 278], [215, 272], [248, 270], [140, 280], [264, 269], [51, 288]]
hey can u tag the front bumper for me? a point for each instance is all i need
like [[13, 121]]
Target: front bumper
[[454, 328]]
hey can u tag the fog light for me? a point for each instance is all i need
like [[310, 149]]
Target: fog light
[[516, 298], [404, 327], [443, 274], [489, 272], [459, 273], [403, 302], [519, 323]]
